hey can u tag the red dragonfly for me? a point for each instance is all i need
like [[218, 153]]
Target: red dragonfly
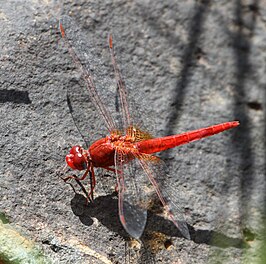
[[128, 152]]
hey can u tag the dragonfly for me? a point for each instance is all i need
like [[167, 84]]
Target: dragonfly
[[128, 152]]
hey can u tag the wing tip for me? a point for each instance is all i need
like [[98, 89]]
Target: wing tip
[[110, 41], [62, 30], [136, 228], [186, 234]]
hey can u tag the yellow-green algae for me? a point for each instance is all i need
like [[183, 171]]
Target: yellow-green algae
[[17, 249]]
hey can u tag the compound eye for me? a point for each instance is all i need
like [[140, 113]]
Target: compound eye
[[76, 162], [69, 161], [79, 161], [74, 150], [76, 159]]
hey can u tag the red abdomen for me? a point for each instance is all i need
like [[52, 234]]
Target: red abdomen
[[159, 144]]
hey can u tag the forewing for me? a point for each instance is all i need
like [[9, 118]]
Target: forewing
[[121, 87], [156, 172], [132, 203], [85, 58]]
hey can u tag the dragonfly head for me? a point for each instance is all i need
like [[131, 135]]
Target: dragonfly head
[[77, 158]]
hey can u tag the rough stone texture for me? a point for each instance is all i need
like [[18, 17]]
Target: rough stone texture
[[199, 63]]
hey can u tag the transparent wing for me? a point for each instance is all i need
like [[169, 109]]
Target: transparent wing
[[139, 176], [155, 170], [132, 203], [83, 59], [130, 112], [121, 88]]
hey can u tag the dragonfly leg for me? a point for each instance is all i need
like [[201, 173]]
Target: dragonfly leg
[[92, 181], [77, 179], [90, 171], [109, 169], [114, 171]]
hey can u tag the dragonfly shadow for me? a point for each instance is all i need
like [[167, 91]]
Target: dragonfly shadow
[[71, 111], [245, 19], [189, 56], [217, 239], [14, 96], [199, 236], [105, 209]]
